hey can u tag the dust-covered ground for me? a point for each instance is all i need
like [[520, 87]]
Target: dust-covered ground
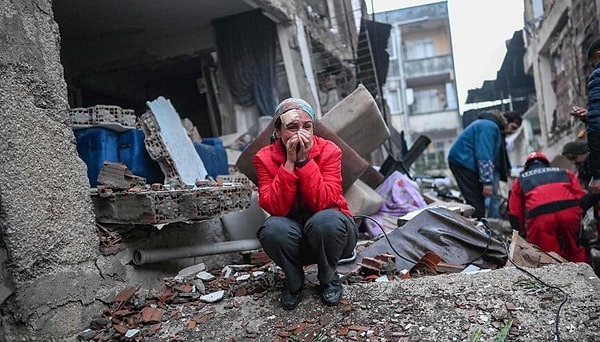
[[454, 307]]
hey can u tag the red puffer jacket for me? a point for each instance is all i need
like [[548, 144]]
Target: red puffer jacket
[[314, 187]]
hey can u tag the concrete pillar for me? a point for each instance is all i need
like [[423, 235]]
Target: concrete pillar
[[546, 96], [295, 49], [47, 220]]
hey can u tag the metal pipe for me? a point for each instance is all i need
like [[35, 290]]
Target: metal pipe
[[148, 256]]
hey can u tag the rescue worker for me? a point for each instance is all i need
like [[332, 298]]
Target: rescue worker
[[544, 207]]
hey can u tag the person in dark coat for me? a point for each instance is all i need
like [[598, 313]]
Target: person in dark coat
[[593, 116], [577, 153], [478, 152]]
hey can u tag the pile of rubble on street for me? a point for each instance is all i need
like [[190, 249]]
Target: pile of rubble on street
[[423, 269], [241, 302]]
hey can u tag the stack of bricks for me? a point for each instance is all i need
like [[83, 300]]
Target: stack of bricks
[[148, 206], [104, 114]]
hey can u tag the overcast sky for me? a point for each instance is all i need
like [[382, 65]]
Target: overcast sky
[[479, 30]]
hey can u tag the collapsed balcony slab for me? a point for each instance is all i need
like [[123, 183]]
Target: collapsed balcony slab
[[167, 206]]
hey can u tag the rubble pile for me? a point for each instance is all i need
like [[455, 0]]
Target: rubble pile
[[136, 314], [184, 301]]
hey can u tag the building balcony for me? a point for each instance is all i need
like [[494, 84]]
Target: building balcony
[[428, 70], [435, 121]]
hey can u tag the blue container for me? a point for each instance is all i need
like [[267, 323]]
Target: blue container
[[213, 141], [94, 146], [214, 159], [133, 153]]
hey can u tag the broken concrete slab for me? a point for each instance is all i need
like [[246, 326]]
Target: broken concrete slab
[[525, 254], [213, 297], [362, 199], [244, 224], [168, 206], [191, 271], [168, 144], [356, 119]]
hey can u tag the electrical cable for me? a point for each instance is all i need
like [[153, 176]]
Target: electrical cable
[[487, 247], [386, 237], [566, 295]]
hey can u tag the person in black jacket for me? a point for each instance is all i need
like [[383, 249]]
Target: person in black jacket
[[592, 120]]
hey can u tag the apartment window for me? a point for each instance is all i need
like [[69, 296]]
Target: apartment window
[[391, 47], [558, 64], [426, 100], [393, 68], [393, 101], [418, 48], [538, 8]]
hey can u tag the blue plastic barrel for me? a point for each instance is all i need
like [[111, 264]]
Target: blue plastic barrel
[[133, 153], [94, 146]]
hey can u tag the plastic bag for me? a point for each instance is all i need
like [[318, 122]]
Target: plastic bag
[[400, 196]]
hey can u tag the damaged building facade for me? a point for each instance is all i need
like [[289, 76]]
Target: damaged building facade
[[420, 89], [544, 74], [557, 36], [222, 64], [201, 55]]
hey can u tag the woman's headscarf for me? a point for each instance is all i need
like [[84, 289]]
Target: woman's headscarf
[[295, 103]]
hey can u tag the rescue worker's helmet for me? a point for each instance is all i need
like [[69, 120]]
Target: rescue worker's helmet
[[536, 156]]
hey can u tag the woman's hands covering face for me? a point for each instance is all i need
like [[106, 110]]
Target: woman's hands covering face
[[299, 145]]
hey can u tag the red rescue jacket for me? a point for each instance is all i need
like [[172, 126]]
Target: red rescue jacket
[[541, 191], [314, 187]]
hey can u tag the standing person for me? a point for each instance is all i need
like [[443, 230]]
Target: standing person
[[592, 120], [577, 153], [478, 151], [544, 207], [300, 185], [492, 203]]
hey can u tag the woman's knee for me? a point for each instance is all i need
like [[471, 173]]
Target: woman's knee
[[328, 221], [278, 230]]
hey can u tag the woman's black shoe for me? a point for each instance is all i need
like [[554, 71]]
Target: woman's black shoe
[[332, 293], [290, 300]]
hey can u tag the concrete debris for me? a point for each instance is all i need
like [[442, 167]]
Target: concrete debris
[[110, 116], [168, 144], [118, 176], [213, 297], [192, 271], [147, 206], [109, 240], [205, 276], [174, 314]]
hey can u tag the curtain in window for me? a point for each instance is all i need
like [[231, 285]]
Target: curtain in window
[[246, 52]]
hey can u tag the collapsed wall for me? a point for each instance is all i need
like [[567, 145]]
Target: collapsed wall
[[46, 218]]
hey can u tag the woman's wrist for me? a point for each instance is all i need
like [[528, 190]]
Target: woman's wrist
[[301, 163]]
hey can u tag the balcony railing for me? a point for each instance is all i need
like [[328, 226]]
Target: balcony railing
[[428, 66]]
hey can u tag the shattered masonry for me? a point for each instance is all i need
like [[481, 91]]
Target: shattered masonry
[[103, 114], [168, 206], [157, 149]]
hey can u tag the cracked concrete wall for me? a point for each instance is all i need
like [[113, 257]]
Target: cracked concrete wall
[[46, 217]]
